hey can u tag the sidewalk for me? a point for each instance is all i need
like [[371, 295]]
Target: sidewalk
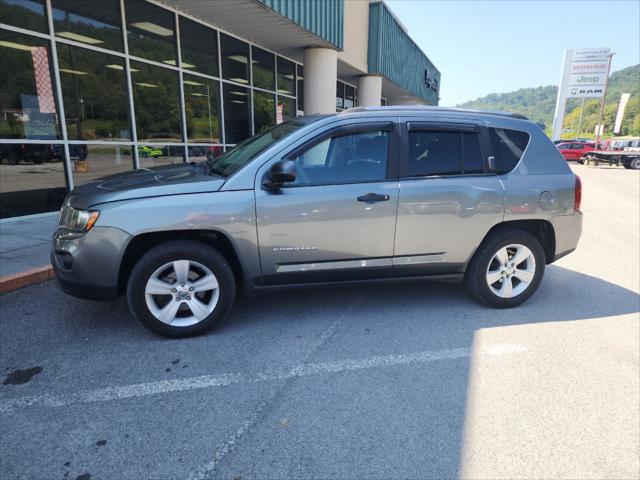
[[24, 246]]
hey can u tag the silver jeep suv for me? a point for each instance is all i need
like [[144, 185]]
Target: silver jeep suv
[[367, 195]]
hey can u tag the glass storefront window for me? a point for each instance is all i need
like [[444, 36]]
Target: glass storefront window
[[235, 59], [202, 109], [264, 111], [31, 178], [237, 116], [89, 162], [286, 109], [263, 64], [157, 155], [94, 22], [339, 95], [28, 107], [349, 96], [198, 153], [286, 77], [94, 92], [198, 47], [29, 14], [156, 102], [150, 32], [300, 87]]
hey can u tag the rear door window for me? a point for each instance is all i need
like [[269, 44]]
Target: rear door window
[[434, 153], [508, 147], [443, 152], [472, 153]]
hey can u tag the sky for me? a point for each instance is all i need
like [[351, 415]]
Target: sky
[[483, 47]]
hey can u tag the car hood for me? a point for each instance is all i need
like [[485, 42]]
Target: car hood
[[152, 182]]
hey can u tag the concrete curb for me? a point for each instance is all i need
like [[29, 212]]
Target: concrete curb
[[15, 281]]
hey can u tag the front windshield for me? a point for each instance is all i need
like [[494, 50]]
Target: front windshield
[[244, 152]]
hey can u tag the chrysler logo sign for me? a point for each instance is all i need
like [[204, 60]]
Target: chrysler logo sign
[[431, 81]]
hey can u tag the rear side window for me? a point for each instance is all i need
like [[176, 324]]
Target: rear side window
[[444, 153], [508, 147]]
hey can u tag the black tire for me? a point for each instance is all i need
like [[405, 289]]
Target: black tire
[[171, 251], [634, 164], [476, 274]]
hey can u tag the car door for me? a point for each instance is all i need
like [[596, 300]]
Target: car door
[[448, 199], [565, 150], [578, 149], [336, 220]]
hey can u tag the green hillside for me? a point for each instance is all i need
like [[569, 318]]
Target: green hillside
[[539, 103]]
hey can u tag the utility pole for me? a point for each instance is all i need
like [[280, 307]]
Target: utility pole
[[580, 121], [606, 84]]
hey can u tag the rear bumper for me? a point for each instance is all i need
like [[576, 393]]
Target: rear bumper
[[568, 229], [88, 267]]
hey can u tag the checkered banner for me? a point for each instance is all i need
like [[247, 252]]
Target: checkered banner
[[43, 79]]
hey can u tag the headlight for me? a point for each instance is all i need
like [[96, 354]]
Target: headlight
[[76, 220]]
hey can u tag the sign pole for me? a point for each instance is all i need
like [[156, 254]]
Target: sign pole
[[599, 128], [561, 100]]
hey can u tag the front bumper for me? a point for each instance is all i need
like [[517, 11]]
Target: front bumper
[[88, 266]]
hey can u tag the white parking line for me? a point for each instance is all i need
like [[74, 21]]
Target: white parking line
[[221, 380]]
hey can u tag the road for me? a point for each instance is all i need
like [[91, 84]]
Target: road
[[404, 381]]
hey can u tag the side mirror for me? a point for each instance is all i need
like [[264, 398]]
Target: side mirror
[[491, 163], [280, 172]]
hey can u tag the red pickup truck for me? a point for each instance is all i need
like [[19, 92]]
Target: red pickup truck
[[575, 150]]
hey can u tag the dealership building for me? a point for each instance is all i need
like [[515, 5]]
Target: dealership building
[[95, 87]]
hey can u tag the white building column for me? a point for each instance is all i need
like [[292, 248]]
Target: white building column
[[369, 90], [320, 75]]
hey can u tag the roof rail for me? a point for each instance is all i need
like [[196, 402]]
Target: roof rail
[[420, 108]]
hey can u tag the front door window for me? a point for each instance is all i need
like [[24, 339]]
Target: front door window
[[355, 157]]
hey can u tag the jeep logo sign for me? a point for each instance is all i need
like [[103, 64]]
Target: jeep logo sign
[[431, 81]]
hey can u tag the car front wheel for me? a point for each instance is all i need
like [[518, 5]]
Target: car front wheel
[[181, 288], [507, 269]]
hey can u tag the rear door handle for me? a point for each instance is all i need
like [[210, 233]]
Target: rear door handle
[[373, 197]]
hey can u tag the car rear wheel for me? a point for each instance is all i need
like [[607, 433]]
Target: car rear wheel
[[181, 288], [507, 269]]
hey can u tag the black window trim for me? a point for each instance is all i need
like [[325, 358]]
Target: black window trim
[[342, 130], [445, 127], [417, 126]]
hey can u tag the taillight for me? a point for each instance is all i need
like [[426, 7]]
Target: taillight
[[577, 198]]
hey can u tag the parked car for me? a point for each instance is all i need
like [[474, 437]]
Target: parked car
[[15, 153], [368, 195], [149, 152], [76, 151], [624, 144], [575, 150]]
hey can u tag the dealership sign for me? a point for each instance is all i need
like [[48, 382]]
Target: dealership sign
[[431, 81], [584, 75], [587, 73]]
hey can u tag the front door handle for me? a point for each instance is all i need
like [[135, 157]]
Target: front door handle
[[373, 197]]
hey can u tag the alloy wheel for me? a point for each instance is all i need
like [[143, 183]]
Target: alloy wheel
[[182, 293], [511, 270]]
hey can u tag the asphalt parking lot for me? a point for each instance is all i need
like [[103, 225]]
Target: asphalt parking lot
[[403, 381]]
